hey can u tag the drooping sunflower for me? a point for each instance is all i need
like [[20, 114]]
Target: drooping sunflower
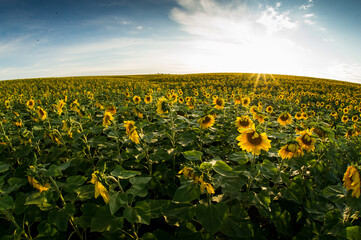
[[108, 117], [218, 103], [243, 123], [290, 150], [130, 130], [252, 141], [351, 181], [284, 119], [306, 140], [148, 99], [99, 187], [59, 106], [42, 114], [111, 109], [30, 104], [162, 106], [206, 121]]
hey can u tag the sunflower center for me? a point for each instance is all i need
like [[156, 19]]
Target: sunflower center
[[219, 102], [206, 120], [254, 138], [306, 139], [284, 117], [243, 123]]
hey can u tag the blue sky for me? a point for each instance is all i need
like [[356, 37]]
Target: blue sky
[[45, 38]]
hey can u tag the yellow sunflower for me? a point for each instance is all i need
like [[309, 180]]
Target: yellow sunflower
[[137, 99], [206, 121], [258, 116], [344, 119], [251, 141], [298, 116], [237, 100], [162, 106], [30, 104], [290, 150], [108, 117], [99, 188], [355, 118], [351, 181], [306, 140], [131, 132], [269, 109], [148, 99], [42, 114], [243, 123], [218, 103], [246, 101], [111, 109], [284, 119], [59, 106]]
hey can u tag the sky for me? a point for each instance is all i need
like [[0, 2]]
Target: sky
[[48, 38]]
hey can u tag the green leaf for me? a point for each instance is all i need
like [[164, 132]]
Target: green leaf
[[193, 155], [141, 213], [116, 201], [4, 167], [15, 184], [39, 199], [73, 182], [187, 192], [237, 229], [353, 233], [139, 186], [45, 229], [223, 169], [53, 171], [59, 218], [123, 174], [187, 138], [6, 202], [212, 216], [104, 221], [268, 169], [85, 192], [334, 193], [239, 157]]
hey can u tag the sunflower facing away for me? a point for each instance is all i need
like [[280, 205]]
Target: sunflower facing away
[[162, 106], [306, 140], [284, 119], [206, 121], [108, 117], [290, 150], [131, 132], [351, 181], [42, 114], [251, 141], [99, 188], [243, 123]]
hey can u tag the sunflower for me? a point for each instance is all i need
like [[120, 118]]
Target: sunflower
[[306, 140], [99, 188], [237, 100], [206, 121], [111, 109], [355, 118], [350, 133], [108, 117], [298, 116], [30, 104], [344, 119], [191, 102], [284, 119], [131, 132], [181, 100], [148, 99], [251, 141], [269, 109], [304, 115], [258, 116], [351, 181], [59, 107], [137, 99], [243, 123], [290, 150], [253, 109], [37, 185], [42, 114], [162, 106], [246, 101], [218, 103]]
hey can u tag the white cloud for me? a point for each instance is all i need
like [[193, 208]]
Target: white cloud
[[345, 72], [329, 39], [310, 15], [275, 21], [139, 27], [307, 5], [278, 5], [310, 22]]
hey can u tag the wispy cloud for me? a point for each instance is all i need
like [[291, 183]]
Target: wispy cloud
[[310, 15], [309, 22], [275, 21], [307, 5]]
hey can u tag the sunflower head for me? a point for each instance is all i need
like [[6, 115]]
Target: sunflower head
[[136, 99], [30, 104], [148, 99], [111, 110], [206, 121], [298, 115], [355, 118], [130, 130], [218, 103], [269, 109], [108, 117], [344, 119], [290, 150], [243, 123], [351, 181], [252, 141], [306, 140], [246, 101], [162, 106], [284, 119], [237, 100], [42, 113]]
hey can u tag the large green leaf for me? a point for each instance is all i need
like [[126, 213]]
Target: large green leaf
[[141, 213], [193, 155], [116, 201], [212, 216], [187, 192], [104, 221]]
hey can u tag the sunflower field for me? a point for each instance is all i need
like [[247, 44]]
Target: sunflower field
[[199, 156]]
